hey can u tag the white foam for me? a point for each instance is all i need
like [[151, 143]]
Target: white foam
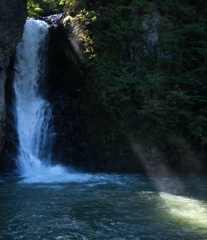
[[55, 174]]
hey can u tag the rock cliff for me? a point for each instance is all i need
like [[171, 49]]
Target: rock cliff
[[13, 15]]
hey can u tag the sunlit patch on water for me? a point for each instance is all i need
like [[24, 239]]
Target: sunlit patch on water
[[187, 210]]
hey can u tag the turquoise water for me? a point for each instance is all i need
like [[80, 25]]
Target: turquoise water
[[105, 206]]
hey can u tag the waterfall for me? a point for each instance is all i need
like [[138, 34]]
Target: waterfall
[[33, 113]]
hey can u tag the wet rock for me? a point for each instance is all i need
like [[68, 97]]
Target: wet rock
[[53, 20], [13, 15]]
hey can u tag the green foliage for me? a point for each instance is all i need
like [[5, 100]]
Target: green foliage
[[164, 102], [43, 7], [160, 100], [33, 9]]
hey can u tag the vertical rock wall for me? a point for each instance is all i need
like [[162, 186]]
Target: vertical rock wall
[[66, 62], [13, 14]]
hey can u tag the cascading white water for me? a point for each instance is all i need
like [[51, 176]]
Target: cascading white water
[[33, 113]]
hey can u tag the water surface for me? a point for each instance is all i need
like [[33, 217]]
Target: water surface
[[104, 206]]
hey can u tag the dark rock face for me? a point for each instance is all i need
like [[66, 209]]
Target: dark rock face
[[73, 127], [68, 127], [13, 15], [65, 79], [74, 144]]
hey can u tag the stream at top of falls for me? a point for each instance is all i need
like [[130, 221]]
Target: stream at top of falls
[[53, 202], [105, 206]]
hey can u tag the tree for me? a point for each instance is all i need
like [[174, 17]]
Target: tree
[[33, 9], [43, 7]]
